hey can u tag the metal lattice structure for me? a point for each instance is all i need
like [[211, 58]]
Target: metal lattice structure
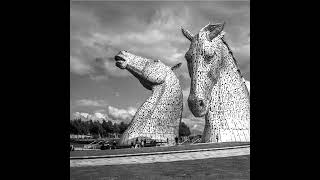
[[218, 91], [159, 116]]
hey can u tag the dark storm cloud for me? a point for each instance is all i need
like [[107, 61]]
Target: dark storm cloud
[[150, 29]]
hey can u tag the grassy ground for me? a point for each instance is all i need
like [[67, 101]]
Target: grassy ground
[[154, 149], [237, 167]]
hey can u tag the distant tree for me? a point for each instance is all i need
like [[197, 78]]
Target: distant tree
[[82, 127], [184, 129], [104, 125], [73, 128], [110, 125], [90, 126], [122, 127], [116, 128], [95, 128], [78, 126], [107, 126], [100, 129], [85, 128]]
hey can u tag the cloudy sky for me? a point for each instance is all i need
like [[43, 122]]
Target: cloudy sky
[[99, 30]]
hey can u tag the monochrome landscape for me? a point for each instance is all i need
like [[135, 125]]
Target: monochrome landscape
[[99, 30]]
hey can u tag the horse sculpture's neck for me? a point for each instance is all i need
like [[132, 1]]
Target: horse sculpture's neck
[[228, 118], [159, 116]]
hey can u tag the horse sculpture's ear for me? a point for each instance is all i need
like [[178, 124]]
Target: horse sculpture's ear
[[187, 34], [176, 66], [215, 30]]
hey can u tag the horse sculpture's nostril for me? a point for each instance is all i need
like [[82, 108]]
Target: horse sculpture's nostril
[[201, 103]]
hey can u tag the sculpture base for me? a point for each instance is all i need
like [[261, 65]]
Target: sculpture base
[[226, 136]]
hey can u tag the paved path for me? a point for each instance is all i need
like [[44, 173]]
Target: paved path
[[160, 157]]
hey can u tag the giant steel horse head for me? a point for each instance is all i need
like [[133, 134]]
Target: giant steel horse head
[[217, 90]]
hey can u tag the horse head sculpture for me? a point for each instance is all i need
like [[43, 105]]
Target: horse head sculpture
[[217, 89], [158, 118]]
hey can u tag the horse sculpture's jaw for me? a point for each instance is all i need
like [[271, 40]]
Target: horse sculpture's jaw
[[198, 106]]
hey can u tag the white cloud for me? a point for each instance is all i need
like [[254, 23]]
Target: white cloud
[[81, 114], [110, 113], [87, 116], [132, 111], [121, 114], [100, 115], [89, 102]]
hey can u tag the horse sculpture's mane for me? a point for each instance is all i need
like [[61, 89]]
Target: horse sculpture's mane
[[235, 61], [231, 91]]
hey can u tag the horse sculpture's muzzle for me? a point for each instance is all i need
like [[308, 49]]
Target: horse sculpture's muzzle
[[198, 107], [120, 60]]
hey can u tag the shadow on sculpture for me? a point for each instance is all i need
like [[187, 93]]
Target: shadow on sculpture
[[218, 90], [158, 118]]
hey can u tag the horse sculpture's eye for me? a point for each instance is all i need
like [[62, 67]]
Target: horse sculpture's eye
[[208, 57]]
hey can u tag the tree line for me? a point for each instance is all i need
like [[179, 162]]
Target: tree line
[[95, 128]]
